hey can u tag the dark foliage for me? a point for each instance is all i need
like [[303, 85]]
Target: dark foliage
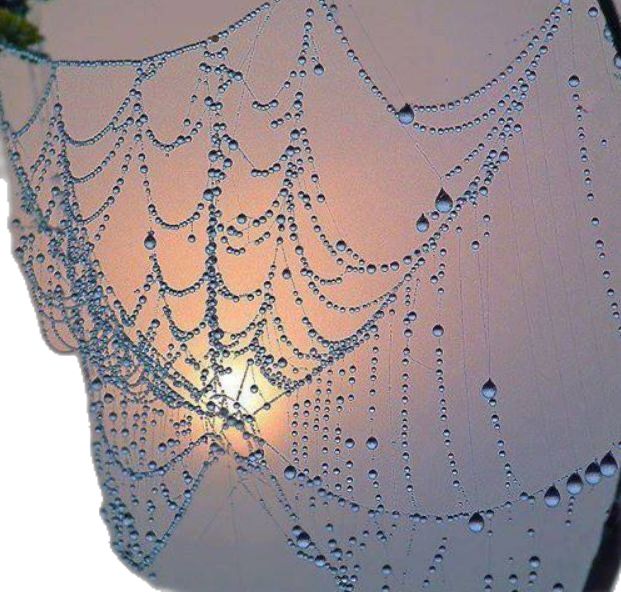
[[15, 28]]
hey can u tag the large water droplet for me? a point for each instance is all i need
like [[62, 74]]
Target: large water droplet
[[593, 474], [422, 224], [552, 497], [438, 330], [150, 242], [489, 390], [303, 540], [406, 114], [444, 202], [609, 465], [476, 522], [574, 484]]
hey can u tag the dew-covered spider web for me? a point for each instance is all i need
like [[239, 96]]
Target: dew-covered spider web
[[334, 337]]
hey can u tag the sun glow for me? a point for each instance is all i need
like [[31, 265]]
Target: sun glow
[[244, 385], [248, 391]]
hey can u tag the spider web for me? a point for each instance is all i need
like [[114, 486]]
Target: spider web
[[375, 343]]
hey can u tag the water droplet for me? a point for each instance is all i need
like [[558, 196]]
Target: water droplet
[[609, 465], [405, 114], [372, 443], [476, 522], [438, 330], [444, 202], [593, 474], [319, 69], [574, 484], [489, 390], [149, 242], [290, 473], [303, 540], [574, 81], [552, 497], [422, 224]]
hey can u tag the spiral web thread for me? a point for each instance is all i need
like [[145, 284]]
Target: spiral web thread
[[329, 338]]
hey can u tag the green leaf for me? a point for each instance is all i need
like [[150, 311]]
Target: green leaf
[[16, 6], [17, 31]]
